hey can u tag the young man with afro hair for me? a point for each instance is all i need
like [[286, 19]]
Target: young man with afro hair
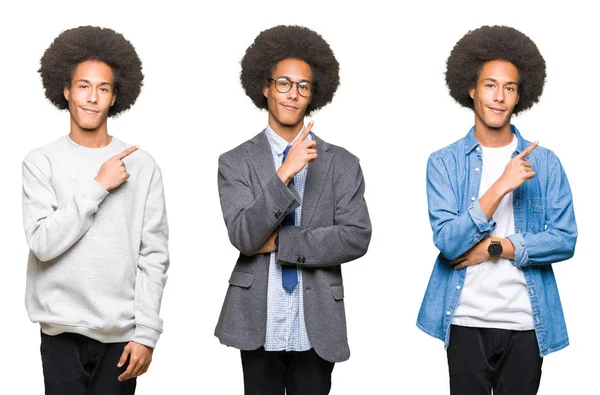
[[293, 206], [95, 222], [501, 212]]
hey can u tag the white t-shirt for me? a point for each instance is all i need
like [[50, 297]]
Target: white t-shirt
[[494, 294]]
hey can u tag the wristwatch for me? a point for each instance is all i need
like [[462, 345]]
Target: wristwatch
[[495, 247]]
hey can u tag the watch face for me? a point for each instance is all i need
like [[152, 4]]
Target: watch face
[[495, 249]]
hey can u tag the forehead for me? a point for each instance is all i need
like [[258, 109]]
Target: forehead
[[296, 69], [499, 70], [93, 71]]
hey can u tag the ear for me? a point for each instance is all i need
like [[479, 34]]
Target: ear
[[266, 91], [114, 99], [66, 91], [472, 92]]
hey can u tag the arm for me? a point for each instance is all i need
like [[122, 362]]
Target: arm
[[153, 262], [516, 172], [454, 231], [251, 219], [347, 240], [51, 230], [557, 242]]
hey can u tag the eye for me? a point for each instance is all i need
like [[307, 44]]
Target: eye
[[83, 86], [104, 89], [283, 83], [489, 85]]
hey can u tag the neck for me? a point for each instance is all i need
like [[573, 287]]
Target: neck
[[96, 138], [287, 132], [492, 137]]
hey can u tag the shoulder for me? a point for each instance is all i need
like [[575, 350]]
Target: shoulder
[[341, 155], [451, 150], [242, 151], [42, 157]]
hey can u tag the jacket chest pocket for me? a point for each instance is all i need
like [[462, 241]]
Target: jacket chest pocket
[[536, 214]]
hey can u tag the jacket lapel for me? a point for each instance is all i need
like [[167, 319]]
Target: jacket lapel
[[261, 158], [316, 175]]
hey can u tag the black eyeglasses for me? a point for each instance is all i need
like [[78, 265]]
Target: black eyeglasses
[[284, 84]]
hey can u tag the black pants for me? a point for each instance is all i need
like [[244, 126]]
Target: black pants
[[77, 365], [285, 372], [482, 359]]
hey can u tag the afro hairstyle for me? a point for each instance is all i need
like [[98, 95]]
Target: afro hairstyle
[[489, 43], [290, 42], [83, 43]]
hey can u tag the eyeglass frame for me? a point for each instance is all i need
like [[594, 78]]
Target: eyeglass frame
[[292, 85]]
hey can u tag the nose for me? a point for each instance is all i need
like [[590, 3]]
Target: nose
[[92, 96], [499, 94], [293, 92]]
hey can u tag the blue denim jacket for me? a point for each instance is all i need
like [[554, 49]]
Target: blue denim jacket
[[545, 233]]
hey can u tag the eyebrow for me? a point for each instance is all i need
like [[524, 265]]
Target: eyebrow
[[495, 80], [285, 76], [89, 82]]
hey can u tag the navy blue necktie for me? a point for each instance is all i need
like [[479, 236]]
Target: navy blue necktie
[[289, 274]]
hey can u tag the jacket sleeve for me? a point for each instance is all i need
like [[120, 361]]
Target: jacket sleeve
[[454, 232], [557, 241], [251, 214], [347, 240], [51, 230], [153, 262]]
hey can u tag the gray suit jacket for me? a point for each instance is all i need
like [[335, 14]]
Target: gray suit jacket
[[335, 229]]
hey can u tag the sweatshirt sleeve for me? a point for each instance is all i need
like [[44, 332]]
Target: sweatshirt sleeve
[[153, 262], [51, 230]]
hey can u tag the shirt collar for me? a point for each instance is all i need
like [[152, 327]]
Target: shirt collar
[[471, 142], [278, 143]]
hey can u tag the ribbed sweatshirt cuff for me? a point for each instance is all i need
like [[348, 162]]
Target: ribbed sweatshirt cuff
[[145, 335]]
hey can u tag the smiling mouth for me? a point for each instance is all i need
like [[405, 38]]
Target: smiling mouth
[[497, 110], [288, 107], [89, 110]]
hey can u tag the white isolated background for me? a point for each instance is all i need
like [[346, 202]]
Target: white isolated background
[[392, 110]]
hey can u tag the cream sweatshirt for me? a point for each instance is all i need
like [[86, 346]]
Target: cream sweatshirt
[[98, 261]]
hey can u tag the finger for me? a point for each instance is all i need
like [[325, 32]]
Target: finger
[[139, 366], [311, 144], [128, 373], [306, 130], [457, 260], [530, 175], [124, 356], [528, 150], [464, 263], [127, 175], [527, 164], [127, 152]]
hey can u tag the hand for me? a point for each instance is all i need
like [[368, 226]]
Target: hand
[[517, 171], [113, 172], [268, 246], [474, 256], [139, 357], [301, 152]]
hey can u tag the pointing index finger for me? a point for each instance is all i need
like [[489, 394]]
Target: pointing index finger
[[528, 150], [127, 152], [306, 131]]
